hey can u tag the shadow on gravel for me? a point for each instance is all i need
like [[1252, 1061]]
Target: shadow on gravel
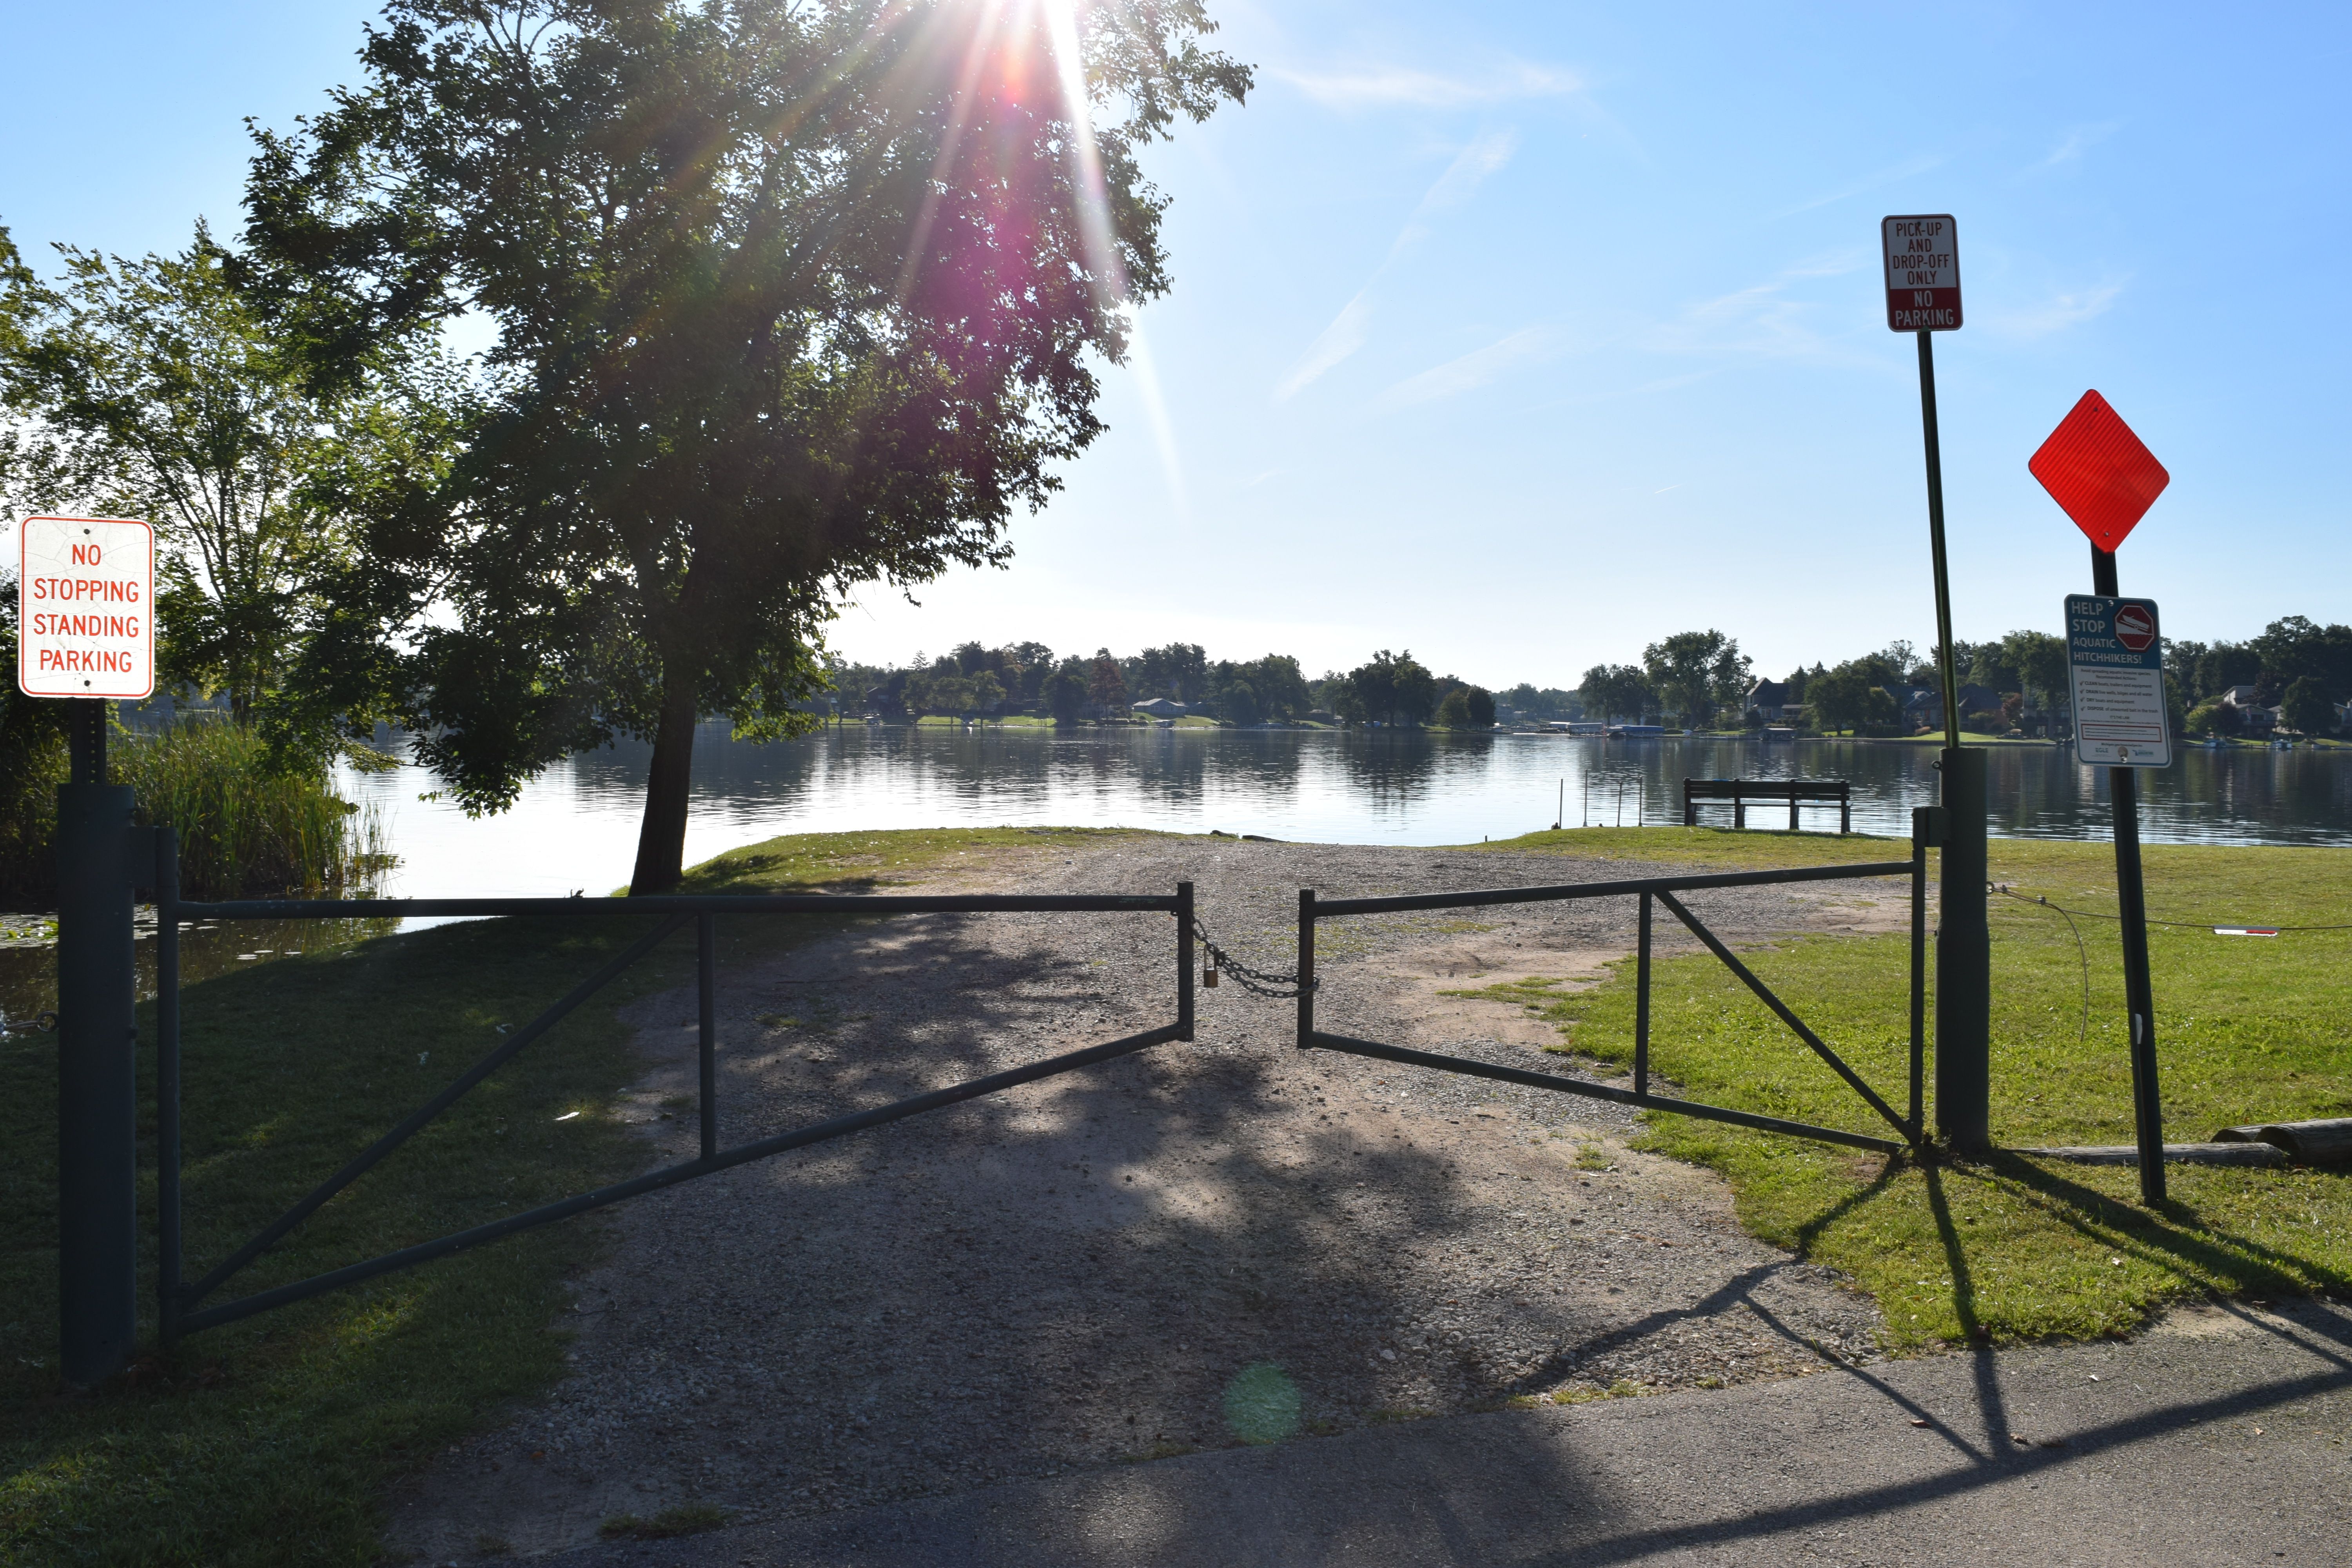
[[1204, 1247], [1163, 1253]]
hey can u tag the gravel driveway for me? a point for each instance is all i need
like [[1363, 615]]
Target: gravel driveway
[[1205, 1243]]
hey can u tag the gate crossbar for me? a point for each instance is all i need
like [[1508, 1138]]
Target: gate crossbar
[[179, 1306], [1652, 890]]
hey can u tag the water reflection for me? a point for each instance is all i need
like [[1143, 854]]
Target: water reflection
[[28, 975], [575, 827]]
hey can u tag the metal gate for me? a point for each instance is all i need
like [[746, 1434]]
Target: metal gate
[[180, 1307], [1654, 891]]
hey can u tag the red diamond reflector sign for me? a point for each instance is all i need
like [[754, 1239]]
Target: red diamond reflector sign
[[2095, 467]]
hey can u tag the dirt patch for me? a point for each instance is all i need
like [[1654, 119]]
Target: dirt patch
[[1205, 1244]]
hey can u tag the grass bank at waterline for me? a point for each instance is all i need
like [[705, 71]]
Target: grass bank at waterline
[[2249, 1029], [271, 1441]]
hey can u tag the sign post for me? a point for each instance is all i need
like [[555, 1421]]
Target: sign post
[[2098, 471], [86, 633], [1923, 297]]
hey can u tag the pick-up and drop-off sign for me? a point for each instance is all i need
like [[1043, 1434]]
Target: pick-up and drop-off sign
[[1923, 272]]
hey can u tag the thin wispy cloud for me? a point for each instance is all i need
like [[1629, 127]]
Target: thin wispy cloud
[[1834, 263], [1473, 370], [2076, 141], [1763, 320], [2056, 313], [1902, 171], [1351, 328], [1343, 337], [1376, 87], [1485, 154]]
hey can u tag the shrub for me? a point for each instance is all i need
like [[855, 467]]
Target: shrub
[[2211, 718], [247, 829]]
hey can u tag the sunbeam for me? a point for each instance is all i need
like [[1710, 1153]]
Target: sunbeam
[[1091, 195]]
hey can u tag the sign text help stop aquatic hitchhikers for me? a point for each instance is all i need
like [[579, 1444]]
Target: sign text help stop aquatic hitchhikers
[[85, 608], [2115, 671]]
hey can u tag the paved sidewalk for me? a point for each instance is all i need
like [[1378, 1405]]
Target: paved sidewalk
[[2219, 1438]]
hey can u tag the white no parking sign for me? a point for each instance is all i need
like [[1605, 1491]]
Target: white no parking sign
[[85, 608]]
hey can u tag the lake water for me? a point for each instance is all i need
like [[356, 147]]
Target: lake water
[[575, 826]]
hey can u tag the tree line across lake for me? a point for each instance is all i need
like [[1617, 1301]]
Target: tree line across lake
[[2296, 675]]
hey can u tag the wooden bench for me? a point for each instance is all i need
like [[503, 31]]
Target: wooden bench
[[1793, 793]]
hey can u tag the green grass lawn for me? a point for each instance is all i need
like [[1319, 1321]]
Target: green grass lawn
[[2248, 1031], [271, 1441]]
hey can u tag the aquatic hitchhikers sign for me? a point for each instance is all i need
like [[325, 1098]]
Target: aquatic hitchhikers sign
[[85, 608], [2114, 672]]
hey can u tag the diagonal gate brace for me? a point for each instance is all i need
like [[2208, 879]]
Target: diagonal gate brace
[[1797, 1025]]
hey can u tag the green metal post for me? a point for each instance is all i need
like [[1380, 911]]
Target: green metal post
[[97, 1215], [2131, 901], [1963, 938]]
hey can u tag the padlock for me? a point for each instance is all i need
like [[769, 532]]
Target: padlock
[[1209, 977]]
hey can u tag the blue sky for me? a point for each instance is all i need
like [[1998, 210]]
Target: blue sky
[[1525, 334]]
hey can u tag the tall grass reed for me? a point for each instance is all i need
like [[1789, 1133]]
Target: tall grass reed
[[246, 830]]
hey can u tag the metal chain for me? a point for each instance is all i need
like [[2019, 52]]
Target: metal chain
[[1258, 982]]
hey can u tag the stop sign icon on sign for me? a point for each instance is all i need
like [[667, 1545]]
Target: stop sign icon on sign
[[2135, 627]]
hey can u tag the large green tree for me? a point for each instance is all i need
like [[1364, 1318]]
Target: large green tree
[[2305, 706], [1388, 689], [2297, 648], [2039, 661], [1694, 673], [1616, 692], [1840, 698], [152, 388], [785, 297]]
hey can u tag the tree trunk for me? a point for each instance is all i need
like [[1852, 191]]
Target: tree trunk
[[661, 837]]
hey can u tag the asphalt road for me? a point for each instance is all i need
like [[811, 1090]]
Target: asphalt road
[[2219, 1438]]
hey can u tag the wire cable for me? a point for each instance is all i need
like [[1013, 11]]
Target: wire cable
[[2068, 916], [2003, 889]]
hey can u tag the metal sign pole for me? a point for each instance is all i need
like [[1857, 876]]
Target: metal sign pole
[[97, 1215], [2139, 996], [2104, 479], [1963, 936]]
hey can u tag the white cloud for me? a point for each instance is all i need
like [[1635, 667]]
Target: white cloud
[[1487, 153], [1382, 86], [1760, 320], [1471, 370], [1902, 171], [1833, 263], [2057, 312], [1343, 337], [1351, 327], [2077, 141]]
